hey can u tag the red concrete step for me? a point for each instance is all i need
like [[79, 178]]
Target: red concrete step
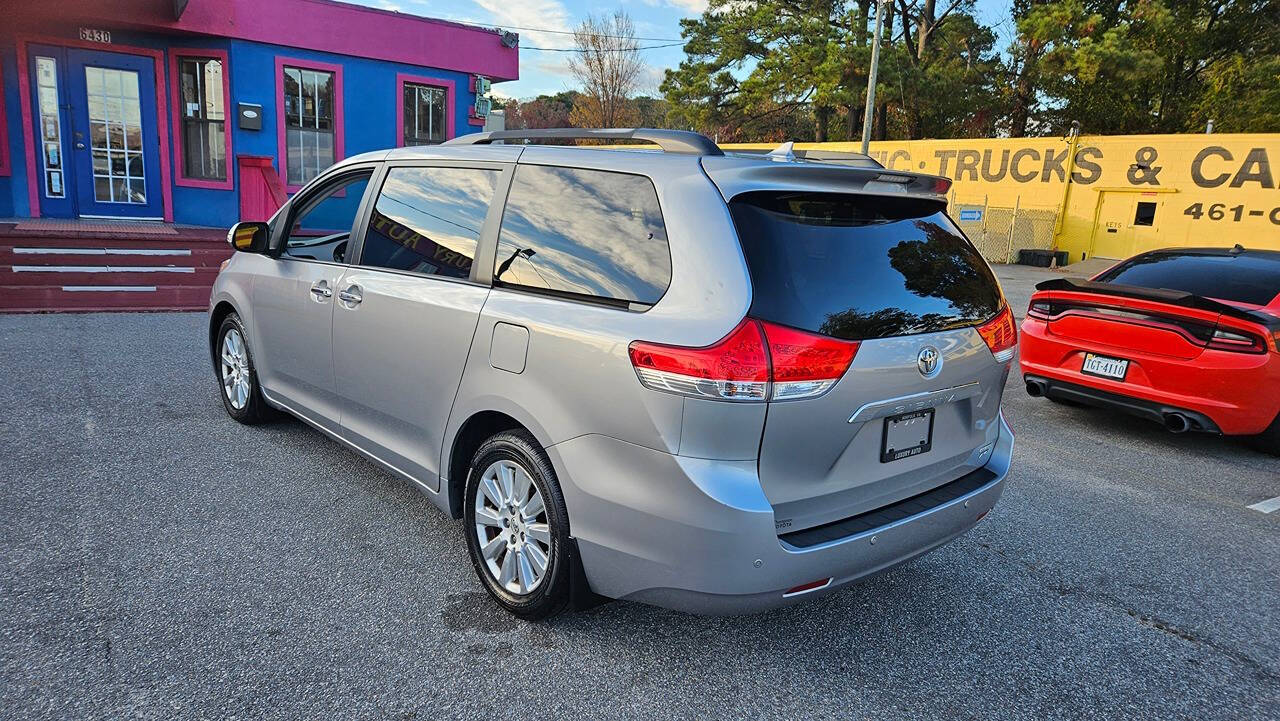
[[64, 241], [116, 275], [139, 241], [26, 255], [138, 298], [125, 233], [86, 267]]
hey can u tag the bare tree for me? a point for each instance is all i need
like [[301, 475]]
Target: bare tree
[[609, 67]]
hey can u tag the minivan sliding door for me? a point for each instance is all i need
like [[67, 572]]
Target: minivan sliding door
[[406, 312]]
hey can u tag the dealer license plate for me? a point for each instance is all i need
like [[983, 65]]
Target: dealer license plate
[[1100, 365], [906, 435]]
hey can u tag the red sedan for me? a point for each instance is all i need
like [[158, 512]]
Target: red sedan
[[1189, 337]]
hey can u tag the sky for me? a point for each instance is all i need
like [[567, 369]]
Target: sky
[[545, 71]]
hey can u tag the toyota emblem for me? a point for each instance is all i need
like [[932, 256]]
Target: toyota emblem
[[929, 361]]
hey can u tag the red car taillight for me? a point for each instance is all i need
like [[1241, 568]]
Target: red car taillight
[[757, 361], [1236, 340], [1040, 310], [1001, 335]]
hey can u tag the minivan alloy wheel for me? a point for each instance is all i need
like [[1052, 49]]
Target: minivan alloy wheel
[[235, 369], [511, 525]]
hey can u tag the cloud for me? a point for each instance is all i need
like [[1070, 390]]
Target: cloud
[[693, 7], [650, 79], [547, 14]]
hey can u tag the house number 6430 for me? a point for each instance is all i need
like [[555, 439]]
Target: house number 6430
[[95, 36]]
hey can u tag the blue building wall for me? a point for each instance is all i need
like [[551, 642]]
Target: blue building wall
[[368, 104], [368, 108]]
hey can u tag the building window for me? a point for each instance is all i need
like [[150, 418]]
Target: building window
[[309, 118], [1146, 214], [204, 140], [424, 114], [424, 109]]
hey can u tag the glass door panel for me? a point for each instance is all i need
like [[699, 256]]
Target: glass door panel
[[115, 136]]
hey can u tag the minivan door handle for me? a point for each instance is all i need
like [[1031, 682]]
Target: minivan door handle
[[321, 290], [352, 295]]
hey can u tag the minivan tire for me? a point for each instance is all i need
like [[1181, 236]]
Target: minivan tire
[[255, 410], [551, 595]]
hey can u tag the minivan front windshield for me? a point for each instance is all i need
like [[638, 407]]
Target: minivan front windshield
[[859, 267]]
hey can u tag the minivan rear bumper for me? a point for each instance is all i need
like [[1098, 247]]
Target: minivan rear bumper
[[698, 535]]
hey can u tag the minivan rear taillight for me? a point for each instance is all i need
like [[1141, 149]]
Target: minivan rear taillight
[[805, 364], [756, 361], [1001, 335]]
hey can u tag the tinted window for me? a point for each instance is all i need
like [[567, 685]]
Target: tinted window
[[428, 220], [1246, 278], [859, 267], [584, 232], [321, 226]]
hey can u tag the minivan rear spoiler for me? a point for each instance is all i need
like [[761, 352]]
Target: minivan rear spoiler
[[734, 175], [786, 151], [1161, 295]]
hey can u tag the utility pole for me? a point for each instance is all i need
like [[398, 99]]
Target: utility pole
[[871, 78]]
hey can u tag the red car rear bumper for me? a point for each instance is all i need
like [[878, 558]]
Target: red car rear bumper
[[1238, 392]]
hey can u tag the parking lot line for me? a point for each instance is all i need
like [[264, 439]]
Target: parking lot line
[[1267, 506]]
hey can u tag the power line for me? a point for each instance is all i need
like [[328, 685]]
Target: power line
[[600, 50], [556, 32]]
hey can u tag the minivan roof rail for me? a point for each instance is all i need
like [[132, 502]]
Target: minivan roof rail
[[671, 141]]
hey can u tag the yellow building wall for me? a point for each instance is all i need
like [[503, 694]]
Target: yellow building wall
[[1207, 190]]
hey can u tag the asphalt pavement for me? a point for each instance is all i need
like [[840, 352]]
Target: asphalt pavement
[[162, 561]]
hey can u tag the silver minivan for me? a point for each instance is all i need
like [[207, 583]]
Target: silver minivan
[[716, 382]]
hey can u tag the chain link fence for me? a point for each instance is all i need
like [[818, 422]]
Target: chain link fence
[[999, 232]]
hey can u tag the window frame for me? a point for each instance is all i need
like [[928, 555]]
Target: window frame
[[284, 218], [450, 95], [339, 129], [1137, 210], [569, 296], [176, 55], [486, 245]]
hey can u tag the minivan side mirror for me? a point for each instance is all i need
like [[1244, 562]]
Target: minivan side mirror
[[249, 237]]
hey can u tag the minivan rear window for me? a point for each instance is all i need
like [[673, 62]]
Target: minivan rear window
[[859, 267], [1241, 278]]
